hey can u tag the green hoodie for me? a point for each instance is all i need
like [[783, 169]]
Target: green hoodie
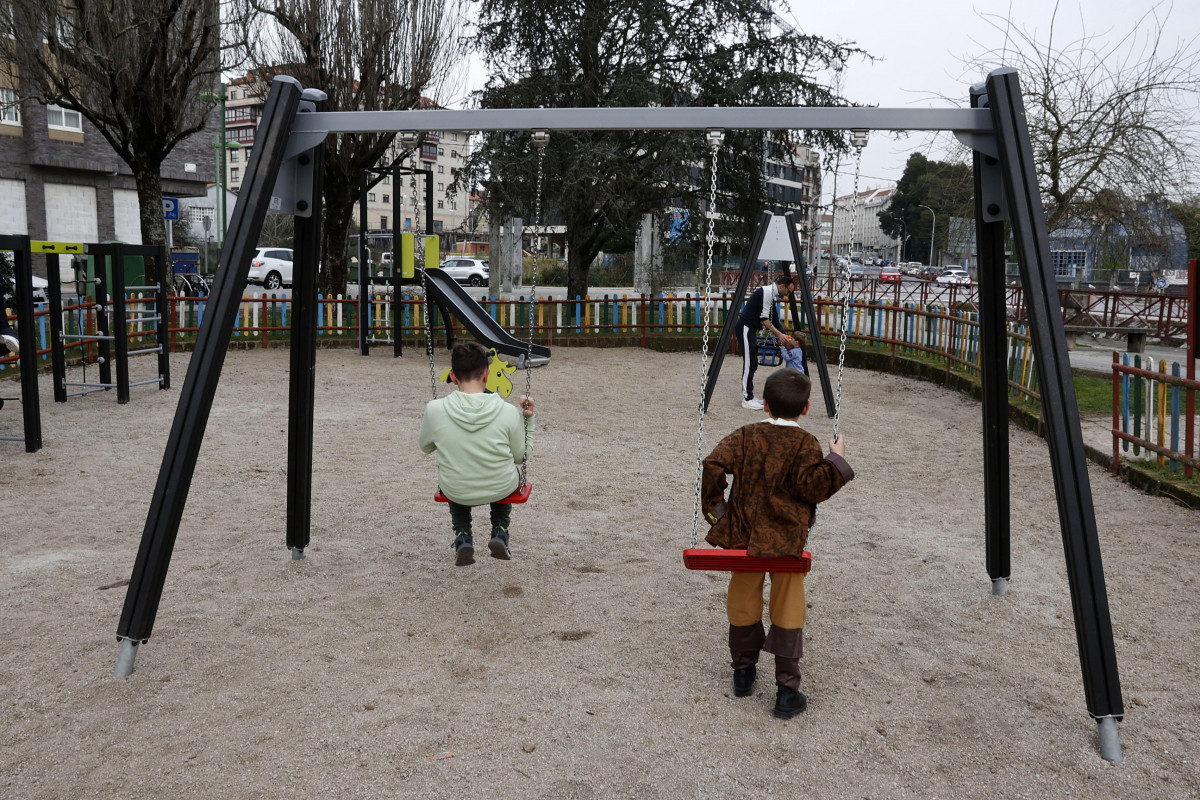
[[479, 440]]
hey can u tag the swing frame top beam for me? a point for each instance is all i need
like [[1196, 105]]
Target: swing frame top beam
[[957, 120]]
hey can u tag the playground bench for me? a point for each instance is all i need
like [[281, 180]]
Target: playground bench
[[1135, 338]]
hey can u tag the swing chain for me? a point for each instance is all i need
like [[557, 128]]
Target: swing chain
[[412, 185], [858, 138], [715, 138], [540, 139]]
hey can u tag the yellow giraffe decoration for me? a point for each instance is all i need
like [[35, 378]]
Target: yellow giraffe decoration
[[498, 372]]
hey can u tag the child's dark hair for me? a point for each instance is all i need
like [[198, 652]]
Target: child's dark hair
[[786, 392], [469, 361]]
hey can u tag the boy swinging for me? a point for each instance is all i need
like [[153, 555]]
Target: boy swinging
[[780, 474]]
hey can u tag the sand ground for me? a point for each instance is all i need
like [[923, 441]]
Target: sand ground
[[592, 665]]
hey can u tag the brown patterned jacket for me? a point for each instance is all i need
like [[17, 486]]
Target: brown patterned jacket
[[780, 474]]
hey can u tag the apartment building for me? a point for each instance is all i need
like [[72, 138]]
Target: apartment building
[[444, 153], [61, 181], [866, 237]]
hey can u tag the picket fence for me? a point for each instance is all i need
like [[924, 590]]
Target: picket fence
[[1154, 413]]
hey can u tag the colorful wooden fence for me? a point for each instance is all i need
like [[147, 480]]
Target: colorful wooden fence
[[1154, 413]]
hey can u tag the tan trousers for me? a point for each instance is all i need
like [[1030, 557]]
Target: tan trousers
[[787, 607]]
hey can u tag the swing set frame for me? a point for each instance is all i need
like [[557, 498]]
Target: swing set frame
[[285, 176]]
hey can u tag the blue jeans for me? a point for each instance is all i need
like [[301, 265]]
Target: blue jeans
[[460, 516]]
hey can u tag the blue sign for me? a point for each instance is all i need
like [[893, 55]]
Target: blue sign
[[1161, 284], [170, 208]]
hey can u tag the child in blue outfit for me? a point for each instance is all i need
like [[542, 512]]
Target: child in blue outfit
[[793, 357]]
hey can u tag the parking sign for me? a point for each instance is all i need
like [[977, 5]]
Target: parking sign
[[170, 208]]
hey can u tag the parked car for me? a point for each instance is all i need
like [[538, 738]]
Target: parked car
[[929, 273], [271, 267], [954, 276], [890, 275], [471, 271], [913, 268], [855, 273], [39, 289]]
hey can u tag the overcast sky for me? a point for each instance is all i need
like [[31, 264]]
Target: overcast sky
[[921, 46]]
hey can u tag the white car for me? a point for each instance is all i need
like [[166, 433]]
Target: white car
[[271, 267], [473, 271], [954, 276], [39, 289]]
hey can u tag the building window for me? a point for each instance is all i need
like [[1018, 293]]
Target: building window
[[429, 151], [233, 156], [62, 119], [453, 205], [454, 154], [383, 223], [441, 187], [387, 180], [454, 137], [387, 198], [234, 174], [10, 109], [232, 94], [1068, 263], [439, 204], [370, 197], [441, 151], [441, 168]]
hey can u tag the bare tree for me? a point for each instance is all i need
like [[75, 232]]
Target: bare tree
[[1107, 115], [135, 69], [365, 55]]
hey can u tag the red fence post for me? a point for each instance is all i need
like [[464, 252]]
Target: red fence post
[[1116, 407]]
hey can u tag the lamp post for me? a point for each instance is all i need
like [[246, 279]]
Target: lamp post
[[932, 231], [222, 145]]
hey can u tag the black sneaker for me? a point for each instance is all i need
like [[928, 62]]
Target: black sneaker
[[789, 702], [499, 544], [464, 550], [743, 681]]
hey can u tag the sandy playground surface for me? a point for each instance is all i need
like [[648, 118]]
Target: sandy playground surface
[[592, 665]]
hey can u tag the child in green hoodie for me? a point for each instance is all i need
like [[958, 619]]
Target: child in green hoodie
[[479, 438]]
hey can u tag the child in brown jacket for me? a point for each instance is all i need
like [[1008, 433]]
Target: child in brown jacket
[[780, 474]]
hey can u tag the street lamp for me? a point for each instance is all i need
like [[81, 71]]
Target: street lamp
[[221, 146], [932, 231]]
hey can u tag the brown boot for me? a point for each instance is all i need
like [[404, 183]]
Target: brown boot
[[745, 642]]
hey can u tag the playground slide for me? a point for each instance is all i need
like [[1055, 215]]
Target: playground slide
[[454, 299]]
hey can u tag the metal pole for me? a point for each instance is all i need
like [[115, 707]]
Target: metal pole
[[304, 351], [932, 232], [204, 370], [1077, 515]]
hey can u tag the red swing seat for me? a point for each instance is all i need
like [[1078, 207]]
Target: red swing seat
[[708, 558], [521, 495]]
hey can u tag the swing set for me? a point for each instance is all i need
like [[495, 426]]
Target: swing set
[[285, 176]]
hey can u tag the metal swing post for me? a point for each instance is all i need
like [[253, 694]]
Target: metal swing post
[[990, 214], [306, 175], [815, 343], [200, 385], [1077, 516]]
